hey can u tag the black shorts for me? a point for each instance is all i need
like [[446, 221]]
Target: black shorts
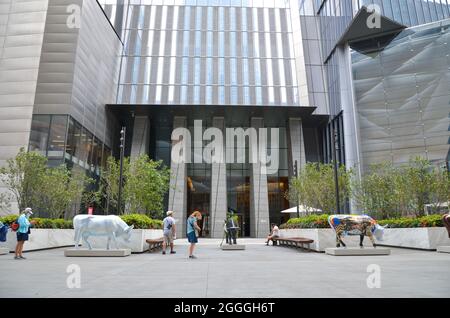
[[22, 237]]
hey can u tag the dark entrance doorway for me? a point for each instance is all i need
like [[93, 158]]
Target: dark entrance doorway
[[198, 199], [238, 184]]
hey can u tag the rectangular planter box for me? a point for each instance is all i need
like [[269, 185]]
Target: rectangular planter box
[[427, 238], [43, 239], [53, 238], [323, 238], [137, 244]]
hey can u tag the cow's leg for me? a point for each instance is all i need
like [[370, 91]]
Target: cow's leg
[[84, 237], [77, 237], [113, 236], [370, 235], [338, 244], [341, 241], [361, 240]]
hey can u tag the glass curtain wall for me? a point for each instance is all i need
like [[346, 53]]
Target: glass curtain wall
[[402, 95], [209, 52], [63, 140], [278, 183]]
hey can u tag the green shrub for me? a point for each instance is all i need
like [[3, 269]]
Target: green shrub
[[307, 222], [52, 223], [141, 221], [321, 222], [138, 220], [434, 220], [9, 219]]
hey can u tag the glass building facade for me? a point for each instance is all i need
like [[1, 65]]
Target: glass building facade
[[352, 71], [336, 15], [64, 140], [403, 95], [208, 52]]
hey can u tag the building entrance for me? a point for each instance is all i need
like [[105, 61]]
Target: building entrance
[[238, 184]]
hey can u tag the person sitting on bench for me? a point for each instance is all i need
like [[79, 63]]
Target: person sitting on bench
[[274, 234]]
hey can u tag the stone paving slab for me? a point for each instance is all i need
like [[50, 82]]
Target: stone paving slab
[[258, 271]]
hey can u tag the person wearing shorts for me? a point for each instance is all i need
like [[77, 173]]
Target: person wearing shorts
[[22, 232], [192, 231], [169, 232]]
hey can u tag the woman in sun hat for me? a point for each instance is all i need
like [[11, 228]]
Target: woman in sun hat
[[23, 231]]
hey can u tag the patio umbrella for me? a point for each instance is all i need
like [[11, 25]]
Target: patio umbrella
[[302, 209]]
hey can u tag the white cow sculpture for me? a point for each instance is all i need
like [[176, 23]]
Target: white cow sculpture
[[112, 226]]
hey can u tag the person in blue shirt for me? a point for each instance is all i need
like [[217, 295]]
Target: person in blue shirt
[[23, 231], [192, 231]]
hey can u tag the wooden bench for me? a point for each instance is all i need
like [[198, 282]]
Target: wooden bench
[[155, 244], [294, 242]]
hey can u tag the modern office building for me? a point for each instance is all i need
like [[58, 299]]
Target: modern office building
[[73, 73]]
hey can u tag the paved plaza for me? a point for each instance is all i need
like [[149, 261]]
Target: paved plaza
[[258, 271]]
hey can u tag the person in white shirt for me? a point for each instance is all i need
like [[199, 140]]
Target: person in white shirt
[[274, 234], [169, 232]]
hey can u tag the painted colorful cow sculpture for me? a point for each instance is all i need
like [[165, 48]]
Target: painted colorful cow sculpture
[[446, 221], [362, 225]]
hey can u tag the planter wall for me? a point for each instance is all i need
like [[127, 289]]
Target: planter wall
[[42, 239], [52, 238], [137, 244], [323, 238], [427, 238]]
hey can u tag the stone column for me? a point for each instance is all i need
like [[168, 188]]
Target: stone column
[[352, 141], [218, 207], [259, 199], [141, 135], [178, 189], [296, 144]]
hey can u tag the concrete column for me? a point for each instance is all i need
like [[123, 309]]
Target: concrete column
[[178, 189], [296, 143], [350, 117], [259, 199], [350, 113], [219, 205], [141, 136]]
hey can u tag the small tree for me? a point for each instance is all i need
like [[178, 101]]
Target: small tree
[[146, 184], [22, 176], [315, 186], [109, 181], [440, 188], [376, 193], [389, 191]]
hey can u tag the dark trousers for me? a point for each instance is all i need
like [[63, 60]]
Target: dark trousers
[[231, 236]]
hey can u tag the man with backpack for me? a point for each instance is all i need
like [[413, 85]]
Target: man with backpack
[[169, 232]]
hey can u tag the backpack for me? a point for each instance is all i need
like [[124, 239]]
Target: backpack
[[15, 225]]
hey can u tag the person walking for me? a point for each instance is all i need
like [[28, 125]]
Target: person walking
[[192, 231], [23, 232], [169, 232]]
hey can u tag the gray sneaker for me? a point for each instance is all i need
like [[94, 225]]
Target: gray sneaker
[[192, 256], [22, 257], [17, 257]]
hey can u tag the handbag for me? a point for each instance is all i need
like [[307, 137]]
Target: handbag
[[15, 225]]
